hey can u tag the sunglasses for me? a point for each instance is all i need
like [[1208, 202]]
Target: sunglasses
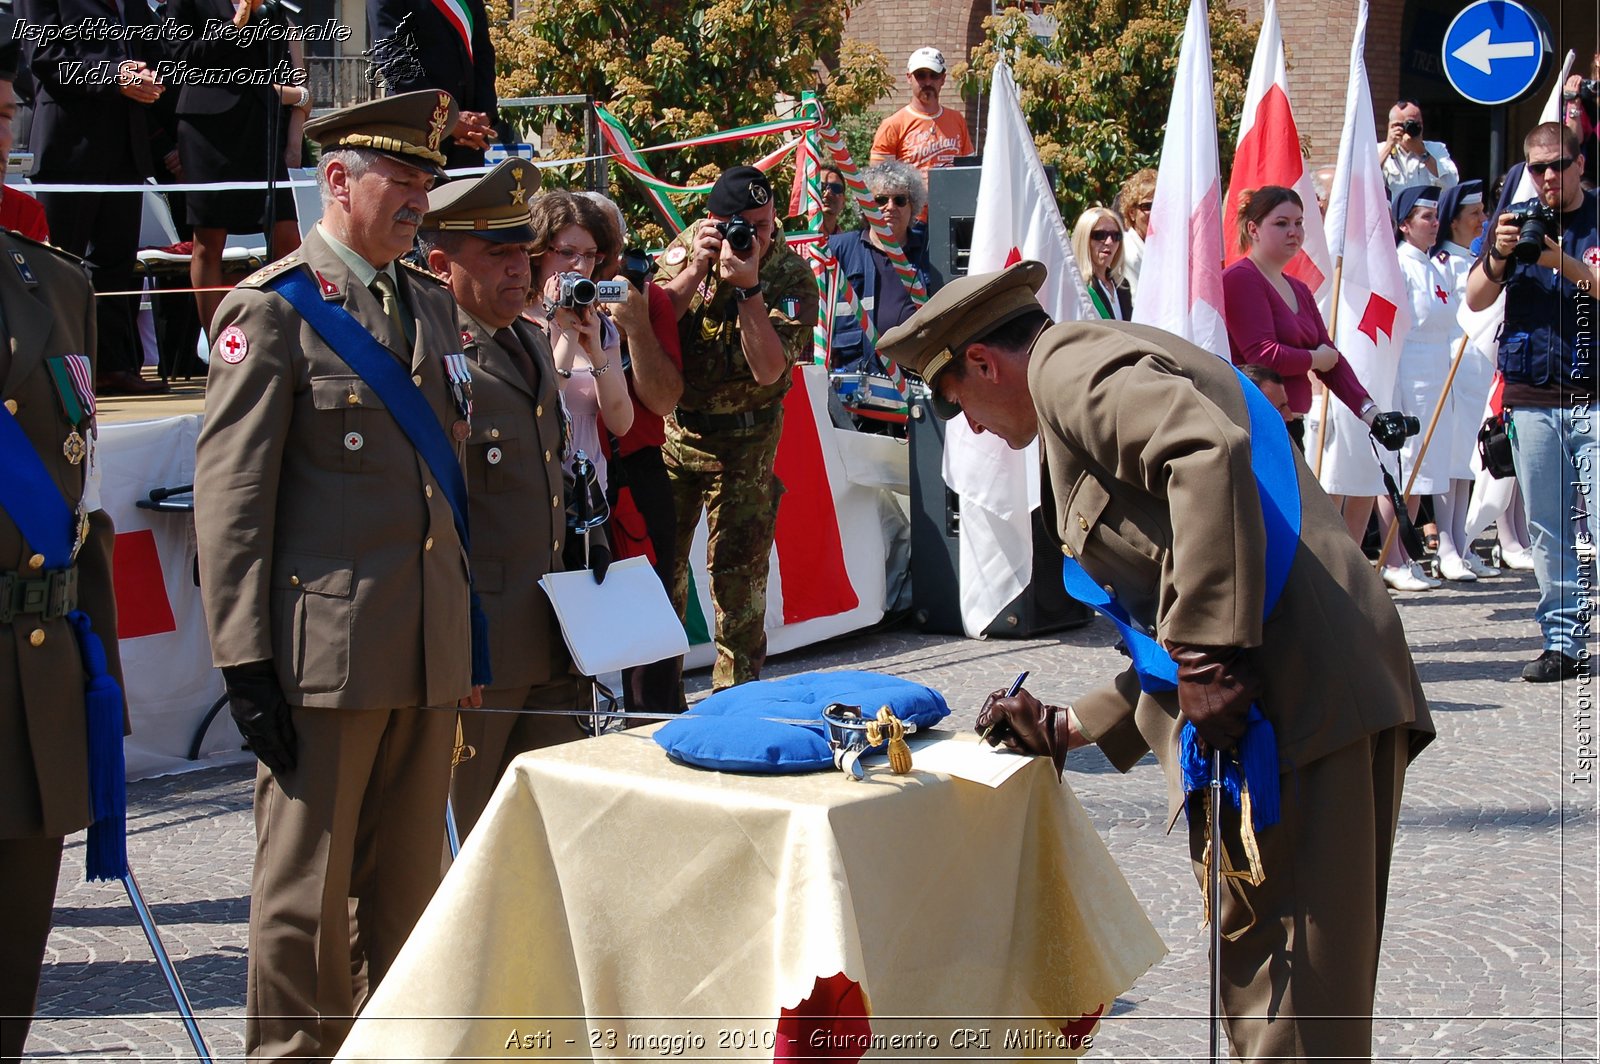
[[1106, 234], [832, 189], [1560, 165], [1145, 206], [901, 199]]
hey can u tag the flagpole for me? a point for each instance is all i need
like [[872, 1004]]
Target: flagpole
[[1438, 408], [1333, 327]]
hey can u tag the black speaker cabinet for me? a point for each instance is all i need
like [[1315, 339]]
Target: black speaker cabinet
[[1044, 606], [952, 202]]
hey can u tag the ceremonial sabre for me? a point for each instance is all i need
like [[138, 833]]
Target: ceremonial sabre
[[1214, 892]]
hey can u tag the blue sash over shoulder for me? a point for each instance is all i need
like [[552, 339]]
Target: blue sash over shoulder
[[373, 363], [1272, 462]]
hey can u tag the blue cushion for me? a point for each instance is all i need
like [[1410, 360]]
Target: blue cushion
[[731, 729]]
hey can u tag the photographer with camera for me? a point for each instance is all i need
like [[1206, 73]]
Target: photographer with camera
[[572, 235], [1547, 359], [1409, 160], [1580, 109], [746, 306]]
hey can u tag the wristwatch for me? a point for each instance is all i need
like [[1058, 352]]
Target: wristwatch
[[742, 294]]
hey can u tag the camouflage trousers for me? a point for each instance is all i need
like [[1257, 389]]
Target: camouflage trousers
[[730, 476]]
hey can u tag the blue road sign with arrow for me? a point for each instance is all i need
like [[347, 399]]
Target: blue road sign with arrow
[[1496, 50]]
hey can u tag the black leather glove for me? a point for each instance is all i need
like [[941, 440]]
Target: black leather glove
[[1390, 429], [1215, 688], [259, 709], [1026, 725], [599, 561]]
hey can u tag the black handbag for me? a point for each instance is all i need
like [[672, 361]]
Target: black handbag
[[1494, 447]]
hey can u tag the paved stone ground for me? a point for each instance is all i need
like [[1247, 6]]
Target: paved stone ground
[[1490, 952]]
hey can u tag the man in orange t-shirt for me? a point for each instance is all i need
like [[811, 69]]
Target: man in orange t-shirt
[[923, 133]]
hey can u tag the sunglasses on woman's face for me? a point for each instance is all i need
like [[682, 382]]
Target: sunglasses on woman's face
[[830, 188], [1112, 235], [899, 200]]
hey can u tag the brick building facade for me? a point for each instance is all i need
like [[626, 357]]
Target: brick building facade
[[1401, 56]]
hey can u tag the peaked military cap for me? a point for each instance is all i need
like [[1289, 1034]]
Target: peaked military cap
[[496, 206], [961, 311], [410, 127]]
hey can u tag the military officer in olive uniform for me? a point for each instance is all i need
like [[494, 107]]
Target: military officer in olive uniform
[[334, 580], [46, 369], [1151, 460], [745, 317], [476, 237]]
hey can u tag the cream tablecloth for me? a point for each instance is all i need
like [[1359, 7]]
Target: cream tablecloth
[[611, 901]]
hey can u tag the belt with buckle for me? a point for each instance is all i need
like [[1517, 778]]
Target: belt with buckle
[[49, 595], [695, 421]]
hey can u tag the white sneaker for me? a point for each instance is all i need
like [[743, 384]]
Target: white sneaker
[[1406, 578], [1478, 566], [1422, 574], [1517, 560], [1456, 569]]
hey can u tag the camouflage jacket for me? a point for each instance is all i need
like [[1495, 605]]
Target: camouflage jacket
[[716, 377]]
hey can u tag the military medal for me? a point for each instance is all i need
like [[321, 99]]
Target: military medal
[[458, 371], [74, 447]]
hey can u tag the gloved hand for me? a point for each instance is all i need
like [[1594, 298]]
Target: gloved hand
[[599, 561], [1215, 688], [1025, 725], [1390, 429], [259, 709]]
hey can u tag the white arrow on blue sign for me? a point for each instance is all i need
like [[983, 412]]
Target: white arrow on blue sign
[[1495, 51]]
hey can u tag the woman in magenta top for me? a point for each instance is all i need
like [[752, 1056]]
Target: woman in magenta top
[[1273, 318]]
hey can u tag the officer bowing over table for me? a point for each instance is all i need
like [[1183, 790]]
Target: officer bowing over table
[[330, 511], [476, 236]]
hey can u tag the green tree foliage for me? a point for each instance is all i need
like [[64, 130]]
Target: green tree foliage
[[1096, 94], [675, 69]]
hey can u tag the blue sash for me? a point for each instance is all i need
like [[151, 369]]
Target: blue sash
[[373, 363], [30, 497], [1272, 462]]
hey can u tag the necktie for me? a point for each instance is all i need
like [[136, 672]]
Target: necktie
[[519, 355], [383, 287]]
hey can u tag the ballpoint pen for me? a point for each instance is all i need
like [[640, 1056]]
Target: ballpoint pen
[[1016, 685]]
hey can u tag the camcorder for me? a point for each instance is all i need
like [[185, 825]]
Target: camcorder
[[636, 267], [576, 291], [1534, 222], [739, 233], [1412, 128]]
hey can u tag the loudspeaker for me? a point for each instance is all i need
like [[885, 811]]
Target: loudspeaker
[[952, 203], [1044, 605]]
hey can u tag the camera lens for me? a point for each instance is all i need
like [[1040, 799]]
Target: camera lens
[[1413, 128], [583, 292]]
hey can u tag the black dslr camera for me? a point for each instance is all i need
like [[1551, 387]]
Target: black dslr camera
[[739, 234], [1534, 222], [576, 291], [636, 266], [1412, 128], [1588, 94]]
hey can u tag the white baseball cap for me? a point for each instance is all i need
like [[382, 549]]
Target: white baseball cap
[[926, 59]]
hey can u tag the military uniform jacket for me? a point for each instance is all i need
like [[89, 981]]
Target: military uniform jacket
[[325, 544], [1147, 455], [716, 377], [518, 502], [44, 760]]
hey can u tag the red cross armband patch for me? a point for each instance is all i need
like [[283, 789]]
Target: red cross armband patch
[[233, 345]]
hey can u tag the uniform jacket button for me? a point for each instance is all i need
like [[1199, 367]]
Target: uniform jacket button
[[417, 380], [427, 490], [427, 544], [294, 581], [1083, 522], [555, 500], [538, 411], [547, 456], [11, 406], [1067, 551], [494, 434], [36, 562], [36, 637]]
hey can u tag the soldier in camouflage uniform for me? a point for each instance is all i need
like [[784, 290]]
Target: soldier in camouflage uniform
[[743, 320]]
